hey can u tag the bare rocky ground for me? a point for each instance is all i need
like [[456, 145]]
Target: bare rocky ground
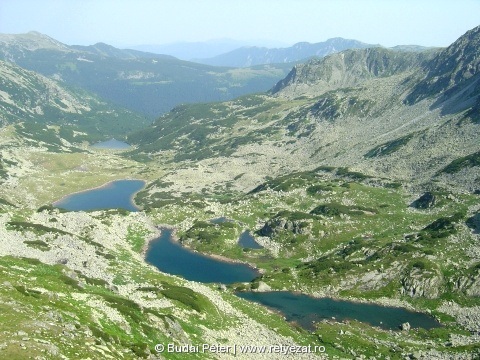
[[436, 140], [35, 180], [111, 233], [87, 243]]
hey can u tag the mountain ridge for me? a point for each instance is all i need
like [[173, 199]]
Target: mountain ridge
[[353, 192], [333, 111], [254, 55], [31, 41], [155, 83], [350, 66], [36, 105], [453, 69]]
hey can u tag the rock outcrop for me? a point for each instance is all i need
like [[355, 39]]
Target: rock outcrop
[[278, 224], [420, 283], [426, 201]]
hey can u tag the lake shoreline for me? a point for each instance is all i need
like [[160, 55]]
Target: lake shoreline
[[388, 303], [119, 145], [174, 238], [105, 185], [201, 270], [327, 309]]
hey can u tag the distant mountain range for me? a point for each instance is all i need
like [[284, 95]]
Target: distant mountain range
[[253, 55], [307, 108], [152, 84], [192, 50], [147, 83]]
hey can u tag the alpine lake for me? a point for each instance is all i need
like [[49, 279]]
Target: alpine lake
[[170, 257], [112, 144]]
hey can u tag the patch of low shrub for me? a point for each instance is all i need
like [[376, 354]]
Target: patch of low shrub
[[184, 295]]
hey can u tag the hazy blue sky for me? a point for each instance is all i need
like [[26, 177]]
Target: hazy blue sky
[[134, 22]]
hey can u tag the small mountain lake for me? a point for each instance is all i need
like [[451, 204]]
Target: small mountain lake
[[306, 310], [220, 220], [112, 144], [247, 241], [113, 195], [170, 257]]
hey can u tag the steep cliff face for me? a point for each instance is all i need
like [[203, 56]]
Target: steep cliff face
[[453, 72], [346, 69]]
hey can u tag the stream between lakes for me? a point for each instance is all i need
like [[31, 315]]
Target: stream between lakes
[[170, 257]]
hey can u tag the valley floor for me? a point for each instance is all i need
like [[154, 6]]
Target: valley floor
[[83, 275]]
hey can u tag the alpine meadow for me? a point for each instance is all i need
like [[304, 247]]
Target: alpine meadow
[[338, 183]]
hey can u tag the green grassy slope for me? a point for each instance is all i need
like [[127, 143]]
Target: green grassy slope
[[149, 84], [46, 110]]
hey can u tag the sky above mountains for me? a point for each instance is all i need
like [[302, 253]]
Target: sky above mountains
[[124, 23]]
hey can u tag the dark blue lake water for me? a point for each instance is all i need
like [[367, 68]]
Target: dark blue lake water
[[170, 257], [114, 195], [306, 310], [247, 241], [112, 144]]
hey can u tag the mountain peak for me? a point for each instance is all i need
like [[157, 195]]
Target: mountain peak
[[35, 33], [31, 41], [453, 68]]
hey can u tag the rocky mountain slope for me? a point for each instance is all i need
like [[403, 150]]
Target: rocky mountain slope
[[358, 180], [354, 188], [453, 73], [150, 84], [351, 109], [348, 69]]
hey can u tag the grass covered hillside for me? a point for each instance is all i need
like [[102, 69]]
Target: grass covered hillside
[[46, 110], [353, 189], [357, 174], [149, 84]]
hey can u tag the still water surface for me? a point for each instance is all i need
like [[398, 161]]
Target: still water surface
[[247, 241], [112, 144], [170, 257], [114, 195], [306, 310]]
